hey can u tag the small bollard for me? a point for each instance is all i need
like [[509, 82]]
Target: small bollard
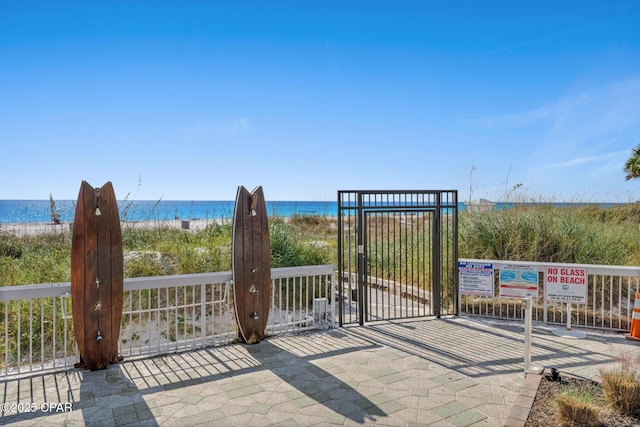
[[527, 304]]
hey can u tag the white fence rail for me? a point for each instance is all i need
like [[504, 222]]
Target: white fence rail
[[609, 303], [160, 315]]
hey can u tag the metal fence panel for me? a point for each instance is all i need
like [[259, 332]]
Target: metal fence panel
[[609, 304], [160, 315]]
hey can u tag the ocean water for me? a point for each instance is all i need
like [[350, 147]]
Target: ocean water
[[17, 211]]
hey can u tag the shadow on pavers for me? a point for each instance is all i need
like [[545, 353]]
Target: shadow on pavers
[[475, 350], [103, 397]]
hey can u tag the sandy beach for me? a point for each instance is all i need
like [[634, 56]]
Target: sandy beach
[[35, 228]]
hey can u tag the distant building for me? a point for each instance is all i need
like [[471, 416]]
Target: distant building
[[481, 205]]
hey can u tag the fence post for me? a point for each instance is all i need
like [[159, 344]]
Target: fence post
[[568, 332], [203, 312]]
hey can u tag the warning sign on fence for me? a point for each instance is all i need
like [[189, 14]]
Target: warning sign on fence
[[566, 284], [518, 281], [476, 278]]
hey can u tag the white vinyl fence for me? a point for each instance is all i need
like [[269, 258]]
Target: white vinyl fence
[[610, 296], [160, 315]]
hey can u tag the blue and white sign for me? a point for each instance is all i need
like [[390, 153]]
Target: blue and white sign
[[476, 278], [518, 281]]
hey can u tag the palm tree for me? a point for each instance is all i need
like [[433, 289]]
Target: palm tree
[[632, 166]]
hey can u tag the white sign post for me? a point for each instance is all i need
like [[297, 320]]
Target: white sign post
[[521, 281], [528, 314]]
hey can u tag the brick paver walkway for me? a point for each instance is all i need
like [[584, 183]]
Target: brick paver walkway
[[441, 372]]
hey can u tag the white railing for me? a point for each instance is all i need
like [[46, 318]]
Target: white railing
[[609, 305], [160, 315]]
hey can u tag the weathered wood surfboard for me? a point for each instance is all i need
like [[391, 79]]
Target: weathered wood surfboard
[[251, 264], [96, 276]]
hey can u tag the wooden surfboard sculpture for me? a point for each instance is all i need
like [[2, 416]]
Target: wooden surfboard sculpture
[[96, 276], [251, 264]]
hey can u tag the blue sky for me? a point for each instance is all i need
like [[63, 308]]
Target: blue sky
[[187, 100]]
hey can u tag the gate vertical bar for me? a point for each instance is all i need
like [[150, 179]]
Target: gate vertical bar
[[415, 262], [397, 261], [454, 242], [360, 267], [203, 313], [340, 266], [437, 248], [366, 300], [391, 257]]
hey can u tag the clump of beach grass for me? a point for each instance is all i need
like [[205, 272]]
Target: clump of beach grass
[[577, 408], [622, 386], [320, 226], [160, 250], [291, 247], [34, 259]]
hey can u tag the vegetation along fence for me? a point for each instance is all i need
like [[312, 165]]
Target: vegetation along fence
[[603, 300], [160, 315], [172, 313]]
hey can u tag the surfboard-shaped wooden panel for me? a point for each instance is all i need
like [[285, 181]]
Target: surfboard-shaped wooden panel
[[96, 276], [251, 264]]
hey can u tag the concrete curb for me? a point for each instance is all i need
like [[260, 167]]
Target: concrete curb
[[523, 403]]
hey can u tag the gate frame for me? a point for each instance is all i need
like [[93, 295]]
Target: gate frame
[[420, 201]]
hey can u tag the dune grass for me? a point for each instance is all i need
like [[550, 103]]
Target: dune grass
[[540, 232], [159, 250], [26, 260], [544, 233]]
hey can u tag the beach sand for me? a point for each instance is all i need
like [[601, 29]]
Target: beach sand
[[35, 228]]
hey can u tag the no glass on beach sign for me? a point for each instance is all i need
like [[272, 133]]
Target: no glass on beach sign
[[566, 284]]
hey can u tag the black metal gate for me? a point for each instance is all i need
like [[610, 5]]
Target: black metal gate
[[397, 254]]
